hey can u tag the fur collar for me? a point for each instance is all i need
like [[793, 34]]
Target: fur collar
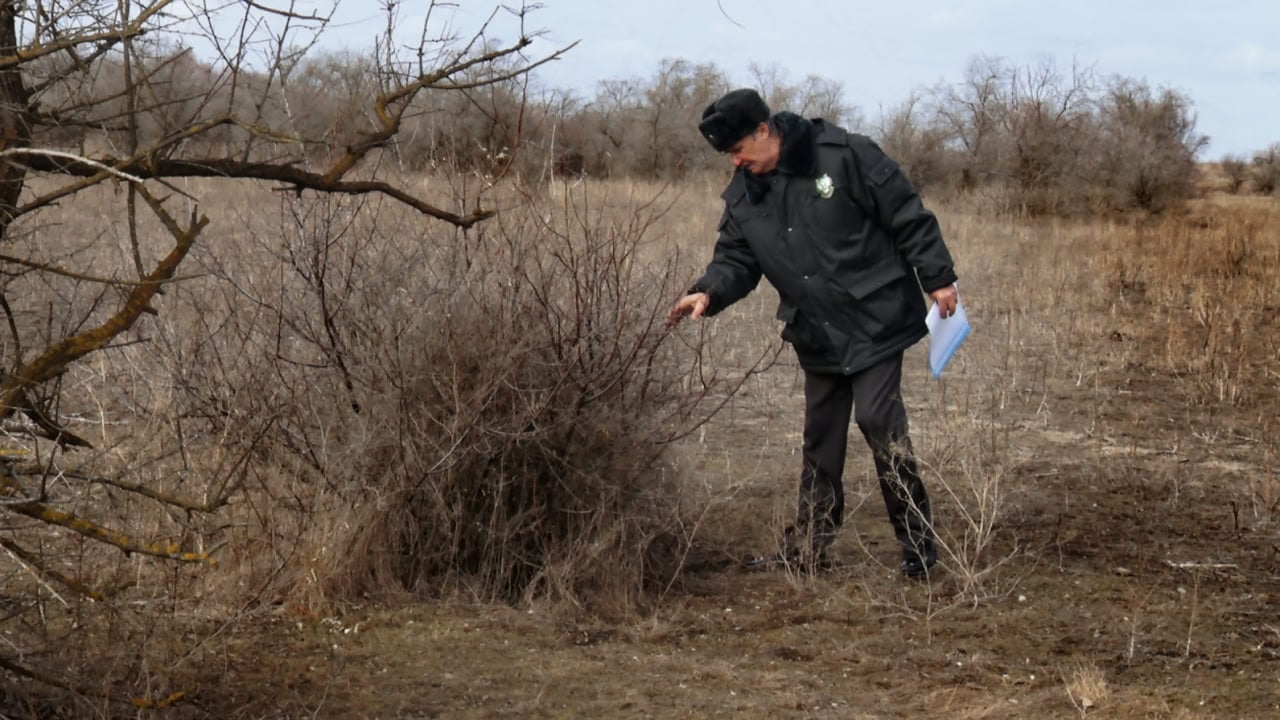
[[798, 155]]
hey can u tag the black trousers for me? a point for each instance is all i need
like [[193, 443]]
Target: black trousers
[[874, 397]]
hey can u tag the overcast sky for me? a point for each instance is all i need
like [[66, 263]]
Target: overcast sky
[[1225, 56]]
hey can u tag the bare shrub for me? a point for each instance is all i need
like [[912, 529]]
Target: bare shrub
[[973, 499], [815, 96], [1017, 132], [1236, 170], [1265, 169], [1046, 119], [487, 410], [103, 459], [1041, 141], [919, 146], [1146, 147]]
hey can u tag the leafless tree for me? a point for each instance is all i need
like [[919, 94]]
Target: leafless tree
[[674, 101], [1146, 143], [970, 111], [138, 98], [920, 146], [1265, 169], [1236, 170]]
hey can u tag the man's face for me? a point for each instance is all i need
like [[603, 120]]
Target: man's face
[[757, 152]]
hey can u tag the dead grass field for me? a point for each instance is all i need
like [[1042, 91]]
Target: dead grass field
[[1104, 458]]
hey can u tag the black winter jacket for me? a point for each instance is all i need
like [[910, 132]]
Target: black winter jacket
[[848, 266]]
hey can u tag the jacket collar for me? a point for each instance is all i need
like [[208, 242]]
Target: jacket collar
[[798, 155]]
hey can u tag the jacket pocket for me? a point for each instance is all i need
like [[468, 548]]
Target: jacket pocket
[[809, 340], [870, 281], [882, 302]]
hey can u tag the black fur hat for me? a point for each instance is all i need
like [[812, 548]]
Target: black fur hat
[[732, 117]]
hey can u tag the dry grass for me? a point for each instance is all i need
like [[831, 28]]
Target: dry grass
[[1086, 687], [1114, 363]]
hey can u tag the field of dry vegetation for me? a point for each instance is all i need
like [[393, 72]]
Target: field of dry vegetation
[[469, 475], [335, 385]]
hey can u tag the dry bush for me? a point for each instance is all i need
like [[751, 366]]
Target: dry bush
[[1146, 148], [390, 406], [107, 454], [1236, 171], [967, 473], [1265, 169], [1039, 141], [487, 409], [920, 148]]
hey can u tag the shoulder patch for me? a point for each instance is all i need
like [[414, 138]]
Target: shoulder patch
[[883, 170]]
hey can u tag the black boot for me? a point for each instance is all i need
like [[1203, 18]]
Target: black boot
[[916, 563], [907, 503]]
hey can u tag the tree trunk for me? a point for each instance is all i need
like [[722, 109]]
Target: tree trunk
[[15, 130]]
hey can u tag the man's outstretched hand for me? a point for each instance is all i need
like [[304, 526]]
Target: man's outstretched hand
[[694, 305]]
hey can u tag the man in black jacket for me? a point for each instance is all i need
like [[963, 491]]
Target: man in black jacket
[[842, 235]]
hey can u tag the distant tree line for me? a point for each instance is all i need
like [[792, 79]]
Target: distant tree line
[[1034, 139]]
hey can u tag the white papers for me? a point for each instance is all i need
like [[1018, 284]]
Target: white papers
[[945, 336]]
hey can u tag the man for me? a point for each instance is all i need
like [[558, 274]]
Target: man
[[842, 235]]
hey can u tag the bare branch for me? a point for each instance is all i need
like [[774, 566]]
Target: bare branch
[[47, 427], [34, 51], [44, 267], [135, 488], [290, 14], [13, 329], [50, 515], [55, 359], [69, 156], [227, 168]]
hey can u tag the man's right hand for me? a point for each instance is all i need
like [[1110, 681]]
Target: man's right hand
[[694, 305]]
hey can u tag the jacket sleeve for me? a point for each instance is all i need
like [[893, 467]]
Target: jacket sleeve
[[899, 210], [733, 271]]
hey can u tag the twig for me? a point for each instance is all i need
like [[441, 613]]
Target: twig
[[1199, 566]]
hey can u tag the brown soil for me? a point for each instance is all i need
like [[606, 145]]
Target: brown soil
[[1134, 572]]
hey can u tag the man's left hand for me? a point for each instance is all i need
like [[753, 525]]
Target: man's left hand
[[946, 298]]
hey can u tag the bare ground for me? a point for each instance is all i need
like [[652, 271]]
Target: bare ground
[[1134, 572]]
